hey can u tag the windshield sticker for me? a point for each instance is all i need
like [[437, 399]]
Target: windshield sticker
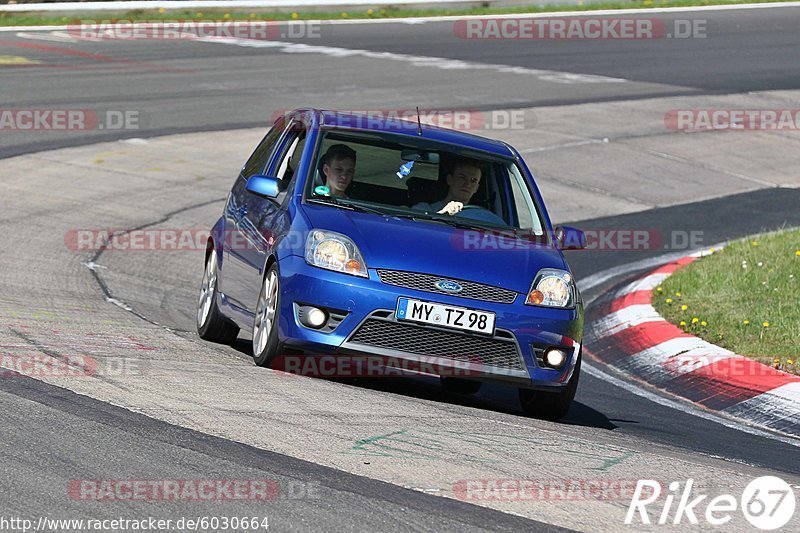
[[322, 190], [405, 169]]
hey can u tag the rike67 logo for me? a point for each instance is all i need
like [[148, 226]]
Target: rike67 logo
[[767, 503]]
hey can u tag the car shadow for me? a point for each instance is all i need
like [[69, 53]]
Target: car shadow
[[491, 397]]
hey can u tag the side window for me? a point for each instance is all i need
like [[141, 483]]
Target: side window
[[288, 161], [258, 161], [526, 212]]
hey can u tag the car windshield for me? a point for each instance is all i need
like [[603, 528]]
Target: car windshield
[[390, 175]]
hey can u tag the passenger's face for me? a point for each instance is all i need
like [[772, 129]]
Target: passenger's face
[[339, 173], [463, 183]]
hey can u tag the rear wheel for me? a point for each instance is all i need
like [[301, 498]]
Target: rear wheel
[[550, 405], [265, 327], [211, 325], [459, 385]]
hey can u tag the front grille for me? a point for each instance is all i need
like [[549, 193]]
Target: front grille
[[423, 341], [427, 283]]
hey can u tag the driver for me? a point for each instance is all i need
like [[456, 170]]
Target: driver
[[463, 182], [339, 166]]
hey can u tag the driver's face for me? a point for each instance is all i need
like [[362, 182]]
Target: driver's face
[[464, 182], [339, 173]]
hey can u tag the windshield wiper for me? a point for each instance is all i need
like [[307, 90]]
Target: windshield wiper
[[352, 207], [455, 222]]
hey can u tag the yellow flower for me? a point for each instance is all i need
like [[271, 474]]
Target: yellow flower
[[659, 289], [295, 16], [683, 323], [678, 294], [746, 322], [370, 11], [754, 243], [765, 324], [704, 323], [226, 16], [789, 362], [797, 253], [669, 300], [162, 10], [684, 307], [695, 320]]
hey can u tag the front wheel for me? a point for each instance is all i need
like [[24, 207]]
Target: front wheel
[[211, 325], [550, 405], [265, 326]]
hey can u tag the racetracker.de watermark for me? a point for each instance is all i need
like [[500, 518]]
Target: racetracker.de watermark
[[733, 119], [196, 239], [42, 366], [190, 490], [376, 366], [410, 119], [611, 239], [579, 28], [545, 490], [69, 119], [170, 30]]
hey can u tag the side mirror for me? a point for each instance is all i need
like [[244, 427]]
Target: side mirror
[[265, 186], [569, 238]]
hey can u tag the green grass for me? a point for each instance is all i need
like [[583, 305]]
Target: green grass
[[745, 298], [35, 19]]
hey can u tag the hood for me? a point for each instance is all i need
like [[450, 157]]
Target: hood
[[439, 249]]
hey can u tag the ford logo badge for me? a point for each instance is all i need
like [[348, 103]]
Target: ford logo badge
[[448, 286]]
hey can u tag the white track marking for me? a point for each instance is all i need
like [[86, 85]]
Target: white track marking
[[647, 283], [685, 408], [627, 317], [299, 4], [766, 408], [442, 63], [789, 394], [57, 36]]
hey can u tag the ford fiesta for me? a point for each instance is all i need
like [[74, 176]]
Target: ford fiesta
[[345, 235]]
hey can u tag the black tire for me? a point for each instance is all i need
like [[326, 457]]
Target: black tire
[[459, 385], [266, 349], [211, 325], [550, 405]]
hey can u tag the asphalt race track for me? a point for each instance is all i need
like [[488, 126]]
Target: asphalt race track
[[369, 454]]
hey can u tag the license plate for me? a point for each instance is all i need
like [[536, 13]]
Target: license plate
[[445, 315]]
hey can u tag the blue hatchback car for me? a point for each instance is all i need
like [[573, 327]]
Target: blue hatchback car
[[347, 235]]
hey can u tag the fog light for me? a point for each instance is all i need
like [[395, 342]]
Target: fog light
[[313, 317], [555, 358]]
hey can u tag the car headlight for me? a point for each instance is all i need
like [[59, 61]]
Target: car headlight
[[552, 288], [334, 251]]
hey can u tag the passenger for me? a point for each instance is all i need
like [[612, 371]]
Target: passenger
[[338, 167], [463, 182]]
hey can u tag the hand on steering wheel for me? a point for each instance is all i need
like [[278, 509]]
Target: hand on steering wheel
[[451, 208]]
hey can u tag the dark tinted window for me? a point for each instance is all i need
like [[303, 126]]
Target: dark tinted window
[[258, 161]]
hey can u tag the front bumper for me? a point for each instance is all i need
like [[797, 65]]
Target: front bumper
[[369, 327]]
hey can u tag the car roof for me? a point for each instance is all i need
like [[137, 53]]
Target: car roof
[[393, 123]]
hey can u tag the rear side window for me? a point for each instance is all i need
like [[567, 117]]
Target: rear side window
[[258, 161]]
